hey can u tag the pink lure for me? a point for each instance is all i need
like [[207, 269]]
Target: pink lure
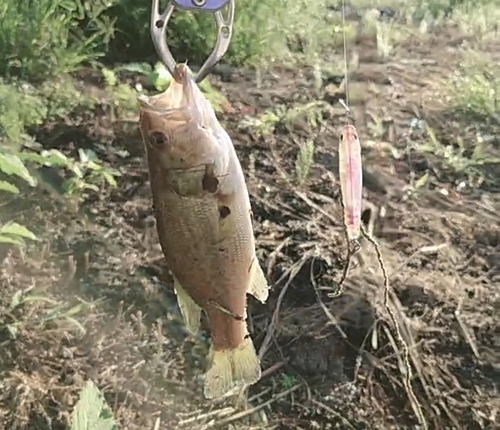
[[351, 180]]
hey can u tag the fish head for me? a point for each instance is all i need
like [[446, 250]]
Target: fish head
[[177, 126]]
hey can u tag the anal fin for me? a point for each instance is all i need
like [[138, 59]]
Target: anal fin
[[190, 311], [259, 287], [231, 368]]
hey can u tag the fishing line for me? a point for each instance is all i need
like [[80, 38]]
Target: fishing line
[[345, 104], [346, 82], [407, 372]]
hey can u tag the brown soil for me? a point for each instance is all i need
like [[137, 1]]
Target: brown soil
[[325, 366]]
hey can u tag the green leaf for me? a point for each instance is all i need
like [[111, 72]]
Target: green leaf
[[55, 157], [92, 187], [77, 171], [90, 412], [143, 68], [15, 240], [15, 229], [110, 179], [109, 77], [10, 188], [422, 181], [11, 164], [92, 165], [13, 330], [16, 299]]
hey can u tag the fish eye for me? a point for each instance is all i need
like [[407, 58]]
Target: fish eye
[[355, 136], [157, 138]]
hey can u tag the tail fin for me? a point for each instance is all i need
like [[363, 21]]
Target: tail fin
[[230, 369]]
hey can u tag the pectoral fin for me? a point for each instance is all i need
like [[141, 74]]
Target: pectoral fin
[[259, 287], [190, 311]]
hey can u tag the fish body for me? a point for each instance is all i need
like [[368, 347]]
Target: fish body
[[204, 223], [351, 180]]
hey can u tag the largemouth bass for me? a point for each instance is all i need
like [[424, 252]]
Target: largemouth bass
[[204, 223]]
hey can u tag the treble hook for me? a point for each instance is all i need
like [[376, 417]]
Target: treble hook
[[159, 24]]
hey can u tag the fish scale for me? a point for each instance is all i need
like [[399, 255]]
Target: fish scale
[[181, 217]]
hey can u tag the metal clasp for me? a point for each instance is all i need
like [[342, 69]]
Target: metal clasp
[[159, 24]]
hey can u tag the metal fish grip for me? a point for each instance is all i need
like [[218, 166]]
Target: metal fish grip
[[159, 22]]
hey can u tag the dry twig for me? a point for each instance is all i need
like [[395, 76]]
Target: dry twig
[[417, 408]]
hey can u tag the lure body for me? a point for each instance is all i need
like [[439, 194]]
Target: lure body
[[351, 180]]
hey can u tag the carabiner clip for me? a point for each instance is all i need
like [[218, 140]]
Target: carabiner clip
[[224, 30]]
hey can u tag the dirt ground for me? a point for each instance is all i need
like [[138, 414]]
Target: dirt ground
[[328, 362]]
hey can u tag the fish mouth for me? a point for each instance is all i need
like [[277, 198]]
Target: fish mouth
[[182, 101]]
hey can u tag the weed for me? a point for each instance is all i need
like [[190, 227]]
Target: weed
[[265, 124], [86, 173], [16, 234], [311, 113], [48, 311], [265, 30], [121, 97], [48, 38], [23, 106], [288, 381], [460, 159], [62, 97], [91, 411], [12, 165], [160, 79], [304, 161], [19, 109], [475, 87], [387, 34]]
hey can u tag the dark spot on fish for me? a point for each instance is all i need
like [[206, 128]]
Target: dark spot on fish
[[157, 138], [222, 249], [224, 212], [159, 23], [247, 336], [210, 183]]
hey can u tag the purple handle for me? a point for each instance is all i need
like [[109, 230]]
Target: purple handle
[[209, 6]]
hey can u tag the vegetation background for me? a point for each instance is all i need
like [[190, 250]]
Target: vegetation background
[[71, 164]]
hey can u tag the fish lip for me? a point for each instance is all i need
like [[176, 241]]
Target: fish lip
[[144, 101], [181, 78], [183, 95], [181, 74]]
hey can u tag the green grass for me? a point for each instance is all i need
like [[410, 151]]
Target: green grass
[[91, 411], [475, 87], [264, 30], [46, 38]]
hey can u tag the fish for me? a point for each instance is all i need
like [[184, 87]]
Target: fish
[[351, 180], [205, 226]]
